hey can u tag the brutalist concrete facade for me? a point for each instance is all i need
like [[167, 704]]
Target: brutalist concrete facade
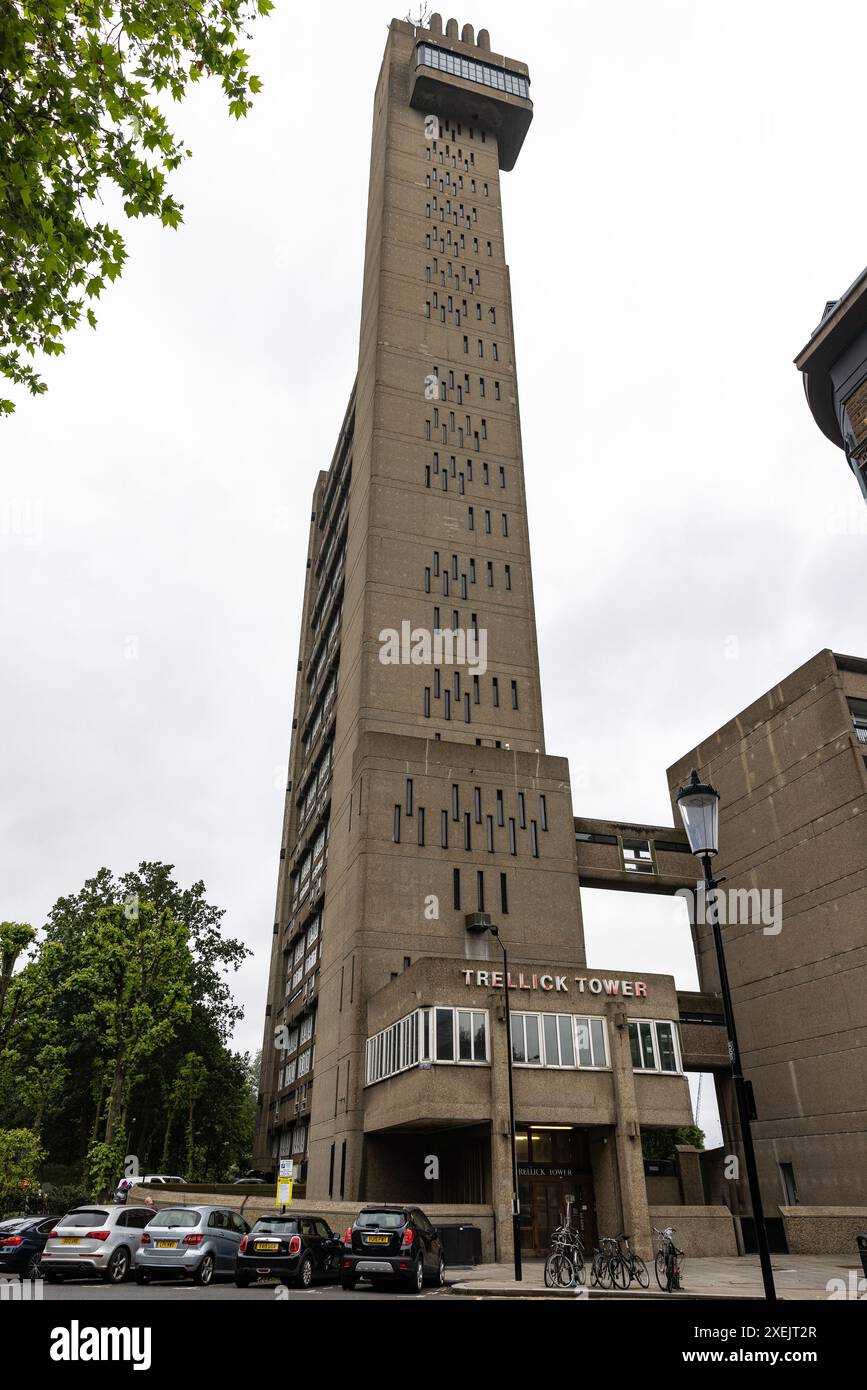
[[793, 820], [421, 799]]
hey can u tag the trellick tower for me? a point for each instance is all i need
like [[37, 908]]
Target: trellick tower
[[419, 793]]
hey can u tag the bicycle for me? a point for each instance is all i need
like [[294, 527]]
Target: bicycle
[[626, 1265], [601, 1267], [564, 1266], [669, 1261]]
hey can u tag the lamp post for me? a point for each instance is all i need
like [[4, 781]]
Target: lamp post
[[699, 808], [516, 1208]]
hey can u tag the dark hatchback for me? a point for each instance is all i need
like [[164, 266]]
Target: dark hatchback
[[392, 1246], [22, 1240], [296, 1249]]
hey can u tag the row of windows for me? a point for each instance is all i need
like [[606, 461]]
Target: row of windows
[[447, 310], [428, 1035], [452, 245], [451, 695], [433, 275], [462, 1036], [316, 785], [448, 385], [465, 431], [448, 582], [450, 186], [486, 74], [457, 160], [466, 836], [452, 469]]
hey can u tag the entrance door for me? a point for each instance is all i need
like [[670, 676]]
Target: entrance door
[[543, 1209]]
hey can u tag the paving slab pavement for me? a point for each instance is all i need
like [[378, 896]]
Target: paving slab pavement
[[810, 1277]]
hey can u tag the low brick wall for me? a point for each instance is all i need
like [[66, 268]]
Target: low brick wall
[[823, 1230], [699, 1231], [252, 1202]]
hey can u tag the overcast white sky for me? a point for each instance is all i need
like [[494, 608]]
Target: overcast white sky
[[687, 200]]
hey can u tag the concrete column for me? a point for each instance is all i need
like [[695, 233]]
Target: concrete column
[[501, 1149], [688, 1160], [609, 1218], [627, 1137]]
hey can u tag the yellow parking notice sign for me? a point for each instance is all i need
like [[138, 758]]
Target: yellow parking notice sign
[[284, 1191]]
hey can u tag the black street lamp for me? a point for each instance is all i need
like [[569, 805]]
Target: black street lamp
[[699, 807]]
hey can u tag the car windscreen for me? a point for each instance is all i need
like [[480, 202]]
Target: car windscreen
[[276, 1225], [383, 1220], [171, 1217], [91, 1217]]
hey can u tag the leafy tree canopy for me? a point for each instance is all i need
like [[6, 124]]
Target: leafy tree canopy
[[80, 89]]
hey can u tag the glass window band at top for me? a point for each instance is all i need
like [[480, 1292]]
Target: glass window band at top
[[501, 79]]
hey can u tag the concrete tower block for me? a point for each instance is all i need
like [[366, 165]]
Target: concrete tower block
[[436, 24], [452, 29], [484, 40], [467, 34]]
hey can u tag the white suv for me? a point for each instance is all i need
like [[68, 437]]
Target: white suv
[[98, 1240]]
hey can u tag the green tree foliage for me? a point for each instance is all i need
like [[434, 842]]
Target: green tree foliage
[[82, 84], [21, 1155], [126, 985], [660, 1143]]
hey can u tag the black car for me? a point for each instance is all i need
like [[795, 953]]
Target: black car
[[394, 1246], [22, 1240], [296, 1249]]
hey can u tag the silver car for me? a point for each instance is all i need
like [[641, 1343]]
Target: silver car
[[195, 1243], [99, 1240]]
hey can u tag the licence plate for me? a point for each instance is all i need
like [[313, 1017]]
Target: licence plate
[[166, 1244], [266, 1245], [69, 1240], [377, 1240]]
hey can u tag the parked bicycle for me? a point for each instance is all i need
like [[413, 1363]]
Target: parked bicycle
[[600, 1268], [626, 1265], [565, 1266], [669, 1261]]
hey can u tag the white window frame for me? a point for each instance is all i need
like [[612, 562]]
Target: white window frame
[[656, 1069], [544, 1063]]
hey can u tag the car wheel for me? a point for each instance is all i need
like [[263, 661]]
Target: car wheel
[[205, 1272], [304, 1278], [141, 1277], [440, 1276], [242, 1281], [415, 1283], [31, 1269], [118, 1266]]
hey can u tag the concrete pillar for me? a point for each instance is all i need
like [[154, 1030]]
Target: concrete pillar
[[688, 1160], [609, 1218], [501, 1149], [627, 1136]]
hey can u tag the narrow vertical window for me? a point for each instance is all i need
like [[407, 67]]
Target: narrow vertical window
[[504, 894], [500, 816], [505, 524], [495, 688], [396, 835], [427, 702], [409, 796], [513, 839], [444, 829], [543, 812], [456, 889], [508, 576], [534, 839], [514, 694], [480, 889], [477, 695], [522, 811], [477, 804], [468, 838], [490, 834], [471, 518], [420, 820], [456, 792]]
